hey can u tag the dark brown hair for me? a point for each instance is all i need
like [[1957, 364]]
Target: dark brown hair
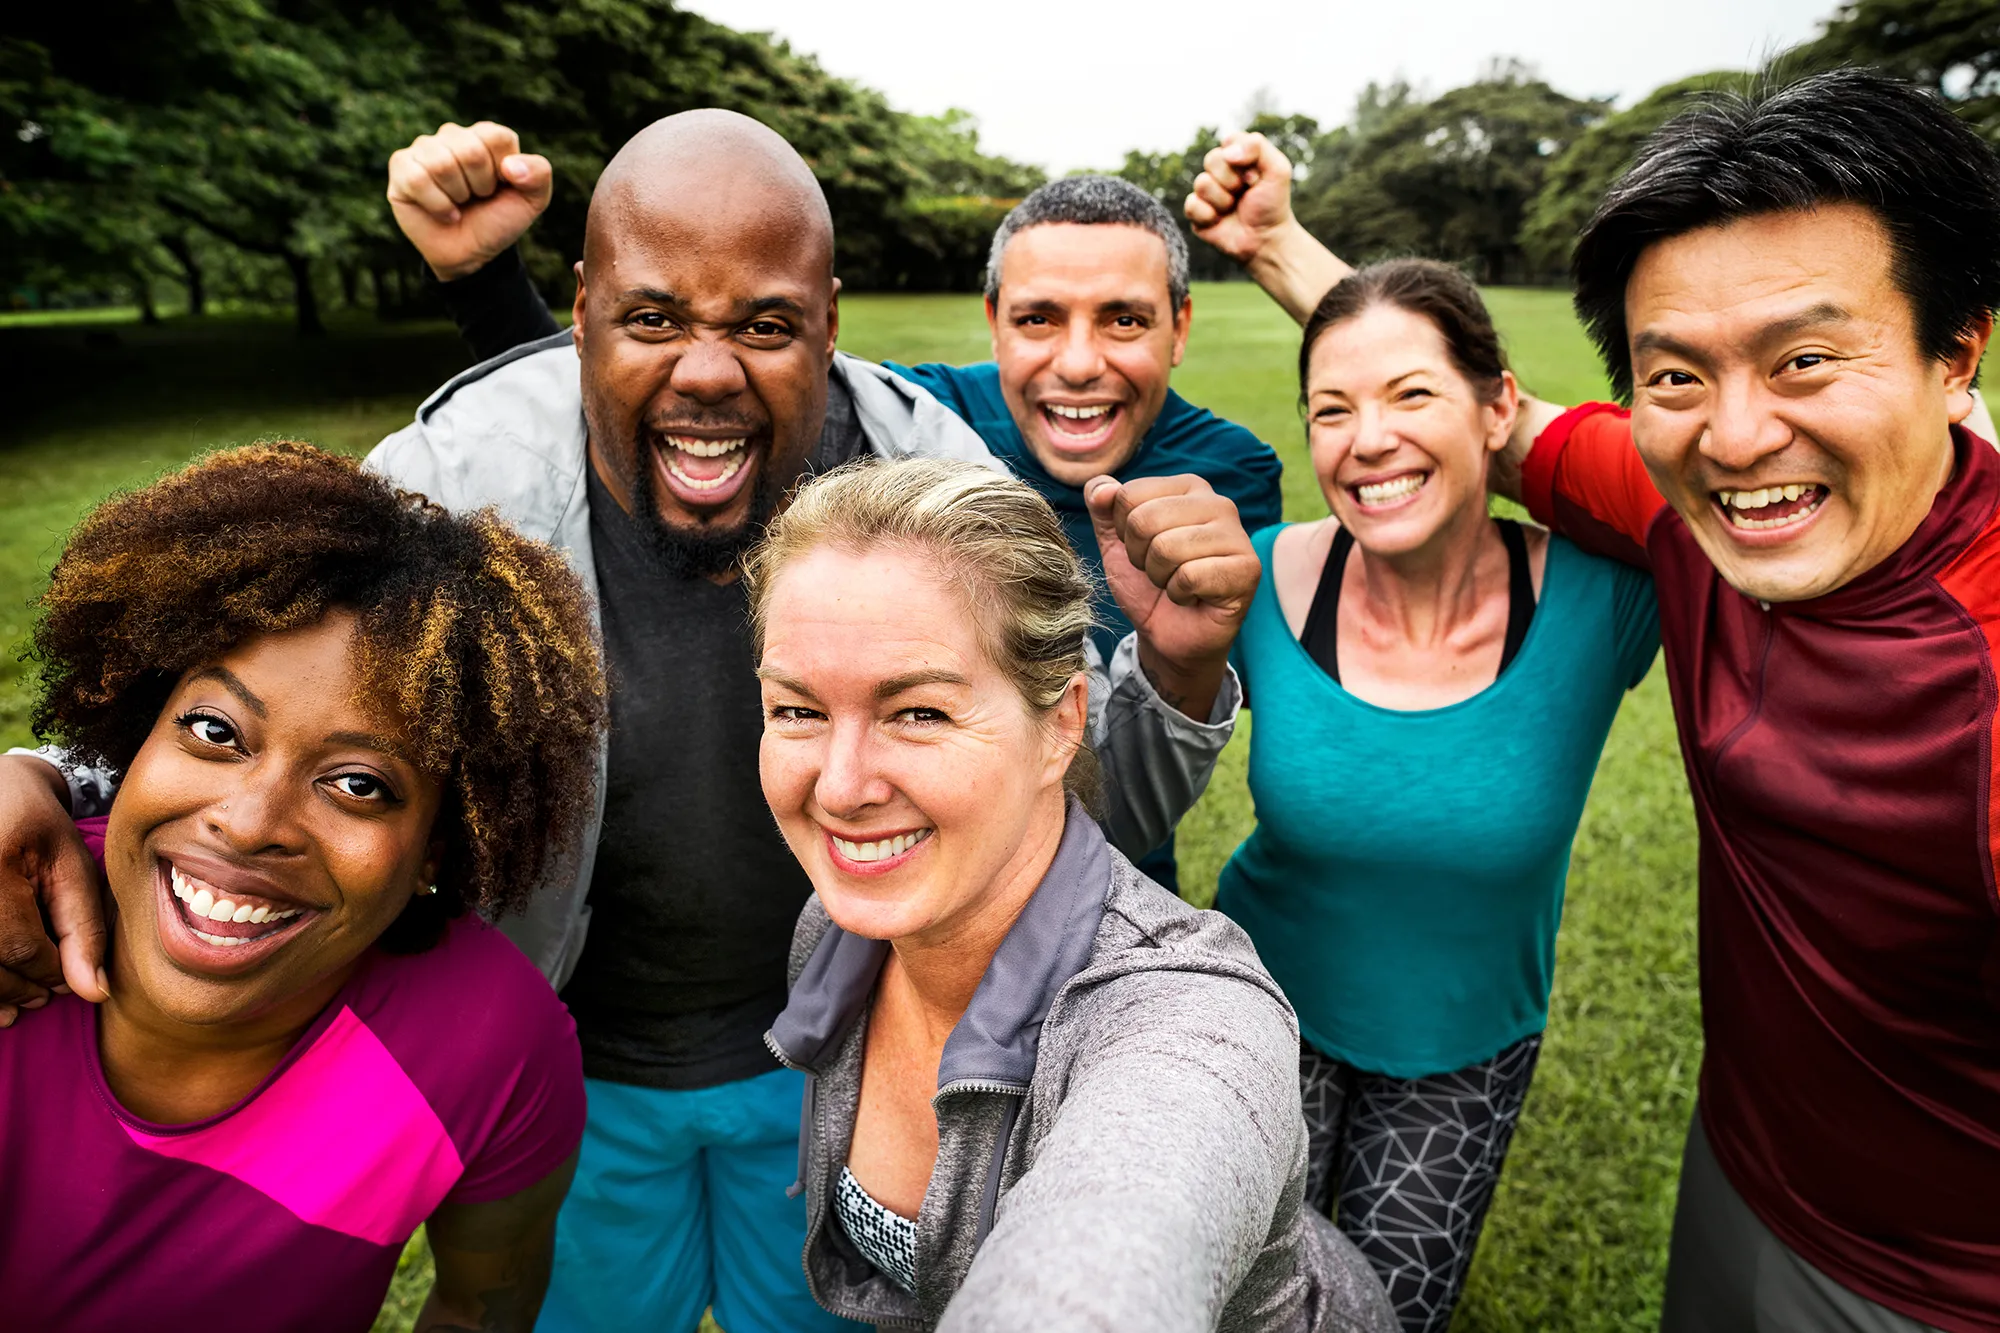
[[1439, 293], [478, 640]]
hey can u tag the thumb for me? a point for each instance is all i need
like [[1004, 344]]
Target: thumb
[[75, 905], [1100, 497], [531, 174]]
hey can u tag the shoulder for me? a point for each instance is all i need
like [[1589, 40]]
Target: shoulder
[[811, 928], [1586, 575], [474, 992], [902, 418]]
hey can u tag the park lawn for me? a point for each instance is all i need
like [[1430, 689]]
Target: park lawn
[[1577, 1237]]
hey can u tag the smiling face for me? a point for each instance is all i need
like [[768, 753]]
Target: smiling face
[[906, 771], [705, 319], [1086, 334], [1781, 402], [1400, 437], [267, 833]]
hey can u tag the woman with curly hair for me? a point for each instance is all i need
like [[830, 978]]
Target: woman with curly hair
[[346, 723]]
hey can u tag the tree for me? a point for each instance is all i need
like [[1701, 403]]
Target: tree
[[1577, 179], [1952, 46]]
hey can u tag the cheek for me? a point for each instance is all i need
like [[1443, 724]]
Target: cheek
[[787, 769]]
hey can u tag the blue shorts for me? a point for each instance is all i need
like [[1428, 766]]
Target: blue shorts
[[679, 1204]]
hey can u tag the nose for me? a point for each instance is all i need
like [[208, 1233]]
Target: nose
[[257, 816], [708, 372], [1079, 359], [1743, 427], [1373, 437], [850, 779]]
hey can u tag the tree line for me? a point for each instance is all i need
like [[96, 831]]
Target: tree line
[[235, 148]]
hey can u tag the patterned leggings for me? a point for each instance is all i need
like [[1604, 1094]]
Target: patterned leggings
[[1407, 1166]]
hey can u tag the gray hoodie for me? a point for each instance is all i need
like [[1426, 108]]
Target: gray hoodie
[[1120, 1144]]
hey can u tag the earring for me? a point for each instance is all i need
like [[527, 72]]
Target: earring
[[431, 891]]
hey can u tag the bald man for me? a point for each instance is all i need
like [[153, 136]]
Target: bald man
[[699, 384]]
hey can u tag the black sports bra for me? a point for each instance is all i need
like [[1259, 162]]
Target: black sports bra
[[1320, 636]]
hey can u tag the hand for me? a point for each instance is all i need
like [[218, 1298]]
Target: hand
[[45, 870], [1183, 571], [1243, 196], [464, 195]]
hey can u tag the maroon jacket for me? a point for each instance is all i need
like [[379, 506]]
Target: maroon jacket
[[1842, 755]]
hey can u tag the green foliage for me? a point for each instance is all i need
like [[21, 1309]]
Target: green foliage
[[1450, 178], [1950, 45], [1577, 179]]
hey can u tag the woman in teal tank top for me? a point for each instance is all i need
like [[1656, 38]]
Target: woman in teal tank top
[[1432, 688]]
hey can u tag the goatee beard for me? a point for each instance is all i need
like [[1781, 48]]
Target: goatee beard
[[698, 553]]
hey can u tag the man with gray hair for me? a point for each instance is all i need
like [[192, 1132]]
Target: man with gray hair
[[1087, 300]]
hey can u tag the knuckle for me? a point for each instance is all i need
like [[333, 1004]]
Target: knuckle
[[19, 951]]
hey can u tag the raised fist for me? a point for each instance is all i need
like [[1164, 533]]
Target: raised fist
[[465, 194], [1243, 196]]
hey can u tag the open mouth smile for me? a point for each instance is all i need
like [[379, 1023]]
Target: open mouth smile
[[702, 471], [213, 929], [1389, 492], [1770, 507], [876, 856], [1080, 428]]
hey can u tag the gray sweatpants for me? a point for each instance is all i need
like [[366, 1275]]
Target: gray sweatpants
[[1726, 1272]]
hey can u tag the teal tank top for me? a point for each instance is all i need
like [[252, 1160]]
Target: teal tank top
[[1405, 878]]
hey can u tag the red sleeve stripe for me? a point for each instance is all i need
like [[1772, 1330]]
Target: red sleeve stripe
[[1538, 470], [1973, 581]]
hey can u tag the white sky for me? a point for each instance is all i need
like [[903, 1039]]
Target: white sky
[[1075, 83]]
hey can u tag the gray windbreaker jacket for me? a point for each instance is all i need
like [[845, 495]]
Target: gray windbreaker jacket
[[509, 433], [1120, 1144]]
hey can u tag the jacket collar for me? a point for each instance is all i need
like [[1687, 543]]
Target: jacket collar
[[997, 1039]]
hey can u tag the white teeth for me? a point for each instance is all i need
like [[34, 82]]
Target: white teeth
[[1078, 413], [1737, 503], [202, 901], [705, 448], [226, 941], [260, 915], [1764, 496], [203, 904], [243, 912], [881, 850], [223, 910], [1380, 492], [734, 466]]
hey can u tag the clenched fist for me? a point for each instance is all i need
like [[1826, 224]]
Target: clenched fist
[[1184, 573], [1243, 196], [466, 194]]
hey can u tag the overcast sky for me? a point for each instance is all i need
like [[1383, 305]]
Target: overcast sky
[[1075, 83]]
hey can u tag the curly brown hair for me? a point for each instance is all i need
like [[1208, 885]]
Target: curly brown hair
[[479, 640]]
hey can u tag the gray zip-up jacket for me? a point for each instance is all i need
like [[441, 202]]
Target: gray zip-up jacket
[[510, 434], [1120, 1144]]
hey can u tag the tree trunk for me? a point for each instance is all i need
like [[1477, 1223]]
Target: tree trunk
[[191, 273], [142, 285], [303, 299], [350, 285]]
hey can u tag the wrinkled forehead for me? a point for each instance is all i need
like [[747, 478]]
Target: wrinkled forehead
[[710, 232], [1085, 262]]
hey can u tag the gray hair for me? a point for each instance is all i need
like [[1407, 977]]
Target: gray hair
[[1094, 201]]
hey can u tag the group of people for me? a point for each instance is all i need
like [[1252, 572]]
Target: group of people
[[816, 731]]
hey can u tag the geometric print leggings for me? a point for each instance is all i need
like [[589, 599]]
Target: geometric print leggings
[[1406, 1167]]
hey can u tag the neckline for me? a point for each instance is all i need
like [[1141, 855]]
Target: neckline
[[1550, 581]]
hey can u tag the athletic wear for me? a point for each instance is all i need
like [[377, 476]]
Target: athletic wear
[[887, 1240], [1183, 438], [1119, 1137], [448, 1076], [1841, 753], [1407, 1167], [1321, 635], [1728, 1274], [1405, 877], [695, 892], [680, 1202]]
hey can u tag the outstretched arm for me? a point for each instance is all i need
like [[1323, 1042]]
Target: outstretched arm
[[1242, 205], [493, 1259]]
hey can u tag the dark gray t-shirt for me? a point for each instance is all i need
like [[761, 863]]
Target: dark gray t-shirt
[[695, 894]]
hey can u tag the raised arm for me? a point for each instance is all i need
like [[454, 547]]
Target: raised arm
[[464, 196], [493, 1259], [46, 874], [1242, 205]]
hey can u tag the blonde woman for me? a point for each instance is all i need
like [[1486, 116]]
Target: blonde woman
[[1044, 1092]]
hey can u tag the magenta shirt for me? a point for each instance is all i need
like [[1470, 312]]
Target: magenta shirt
[[451, 1074]]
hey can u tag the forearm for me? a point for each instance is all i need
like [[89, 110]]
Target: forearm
[[1156, 757], [511, 1304], [1503, 478], [1295, 270], [497, 307]]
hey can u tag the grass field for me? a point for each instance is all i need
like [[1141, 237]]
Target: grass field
[[1577, 1238]]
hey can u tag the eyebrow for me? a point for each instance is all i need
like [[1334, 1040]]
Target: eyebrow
[[887, 689], [743, 310], [229, 681], [368, 741], [1813, 316]]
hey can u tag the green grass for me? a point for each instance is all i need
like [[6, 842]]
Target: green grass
[[1577, 1238]]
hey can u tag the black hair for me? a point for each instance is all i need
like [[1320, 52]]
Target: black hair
[[1438, 292], [1094, 201], [1849, 136]]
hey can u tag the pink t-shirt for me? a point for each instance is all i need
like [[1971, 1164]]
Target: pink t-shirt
[[449, 1074]]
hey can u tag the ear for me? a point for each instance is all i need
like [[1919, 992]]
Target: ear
[[1068, 726], [993, 325], [427, 873], [1501, 413], [576, 309], [833, 317], [1962, 366], [1183, 321]]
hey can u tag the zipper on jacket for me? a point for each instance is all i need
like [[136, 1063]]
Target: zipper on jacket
[[989, 1197], [807, 1114]]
